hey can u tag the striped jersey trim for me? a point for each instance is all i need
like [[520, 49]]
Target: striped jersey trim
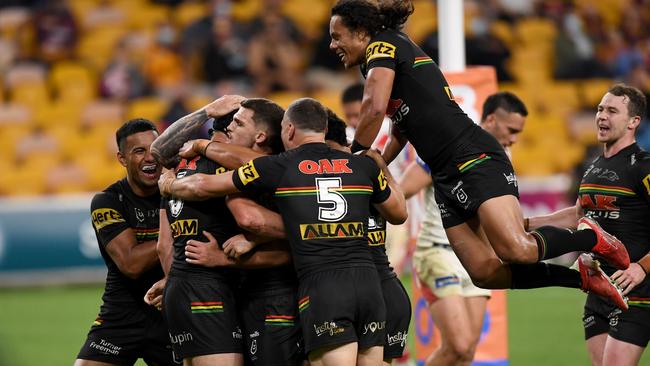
[[419, 61], [280, 320], [597, 188], [303, 303], [471, 163], [312, 190], [642, 302], [206, 307]]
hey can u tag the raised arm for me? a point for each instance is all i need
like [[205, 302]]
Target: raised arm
[[415, 178], [165, 147], [196, 187], [228, 155], [376, 95]]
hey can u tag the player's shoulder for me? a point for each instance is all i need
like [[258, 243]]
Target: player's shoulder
[[113, 194], [640, 160]]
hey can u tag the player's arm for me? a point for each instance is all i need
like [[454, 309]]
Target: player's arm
[[165, 245], [376, 95], [256, 218], [394, 146], [393, 208], [165, 148], [196, 187], [415, 178], [228, 155], [131, 258], [566, 217], [209, 254]]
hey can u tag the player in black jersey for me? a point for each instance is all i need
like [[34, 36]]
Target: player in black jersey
[[323, 196], [398, 304], [125, 218], [476, 187], [268, 305], [615, 193]]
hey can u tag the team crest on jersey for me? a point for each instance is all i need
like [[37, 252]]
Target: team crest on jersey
[[380, 49], [175, 207], [247, 173], [139, 214]]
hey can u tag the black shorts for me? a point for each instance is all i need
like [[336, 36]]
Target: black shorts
[[342, 306], [478, 171], [271, 328], [602, 317], [398, 317], [202, 316], [122, 337]]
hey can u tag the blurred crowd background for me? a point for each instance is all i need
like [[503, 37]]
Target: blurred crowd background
[[72, 71]]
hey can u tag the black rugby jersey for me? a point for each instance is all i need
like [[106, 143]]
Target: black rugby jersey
[[615, 192], [377, 243], [188, 219], [324, 197], [114, 210], [421, 103]]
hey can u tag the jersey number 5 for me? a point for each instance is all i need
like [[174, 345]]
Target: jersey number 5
[[332, 204]]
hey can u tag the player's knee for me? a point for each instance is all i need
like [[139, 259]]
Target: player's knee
[[517, 252], [461, 350]]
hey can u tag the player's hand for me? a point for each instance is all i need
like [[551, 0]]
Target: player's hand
[[237, 246], [376, 156], [629, 278], [202, 253], [224, 105], [154, 295], [165, 182], [191, 148]]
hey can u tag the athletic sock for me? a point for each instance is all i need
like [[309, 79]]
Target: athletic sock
[[536, 275], [553, 242]]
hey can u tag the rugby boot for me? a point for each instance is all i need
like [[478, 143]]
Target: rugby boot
[[607, 246], [594, 280]]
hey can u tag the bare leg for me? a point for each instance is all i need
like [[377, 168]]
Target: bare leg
[[596, 348], [619, 353], [372, 356], [80, 362], [344, 355], [232, 359]]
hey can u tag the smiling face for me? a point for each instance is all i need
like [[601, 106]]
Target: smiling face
[[141, 167], [349, 46], [613, 120], [504, 126]]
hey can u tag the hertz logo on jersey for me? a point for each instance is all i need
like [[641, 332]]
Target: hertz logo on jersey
[[380, 50], [103, 217], [340, 230], [184, 227], [247, 173]]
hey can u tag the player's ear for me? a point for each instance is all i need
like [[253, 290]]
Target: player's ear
[[121, 158], [634, 123], [260, 137]]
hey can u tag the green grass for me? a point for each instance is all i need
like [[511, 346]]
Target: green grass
[[47, 326]]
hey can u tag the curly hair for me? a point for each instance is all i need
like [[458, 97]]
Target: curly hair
[[373, 16]]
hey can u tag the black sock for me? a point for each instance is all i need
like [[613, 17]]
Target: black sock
[[536, 275], [553, 241]]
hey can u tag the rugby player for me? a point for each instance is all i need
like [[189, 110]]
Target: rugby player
[[323, 196], [457, 306], [125, 219], [475, 185], [615, 193]]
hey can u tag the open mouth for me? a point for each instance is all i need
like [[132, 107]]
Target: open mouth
[[603, 129], [150, 170], [341, 55]]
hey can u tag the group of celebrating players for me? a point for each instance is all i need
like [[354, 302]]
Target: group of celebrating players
[[265, 245]]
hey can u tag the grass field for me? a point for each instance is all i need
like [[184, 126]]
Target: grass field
[[46, 326]]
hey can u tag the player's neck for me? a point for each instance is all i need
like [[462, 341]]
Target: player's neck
[[139, 190], [610, 150]]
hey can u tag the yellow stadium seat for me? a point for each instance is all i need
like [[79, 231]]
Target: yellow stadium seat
[[423, 21], [285, 98], [103, 113], [536, 30], [189, 12], [245, 10], [73, 82], [332, 100], [96, 46], [14, 114], [503, 31], [59, 113], [147, 15], [151, 108], [592, 91], [25, 74], [11, 20], [32, 95], [309, 16]]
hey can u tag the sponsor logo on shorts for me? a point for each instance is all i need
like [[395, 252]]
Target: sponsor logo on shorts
[[237, 334], [185, 227], [399, 338], [106, 347], [374, 326], [247, 173], [380, 49], [447, 281], [181, 338], [333, 230], [303, 303], [511, 178], [328, 328], [253, 349], [103, 217], [255, 334]]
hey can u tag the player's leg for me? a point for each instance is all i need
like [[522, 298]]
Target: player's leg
[[343, 355], [371, 356], [370, 315], [398, 317], [596, 348], [476, 306], [619, 353], [451, 316], [230, 359], [80, 362]]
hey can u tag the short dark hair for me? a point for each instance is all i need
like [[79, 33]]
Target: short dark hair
[[638, 103], [132, 127], [366, 15], [307, 114], [506, 101], [336, 129], [353, 93], [268, 114]]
